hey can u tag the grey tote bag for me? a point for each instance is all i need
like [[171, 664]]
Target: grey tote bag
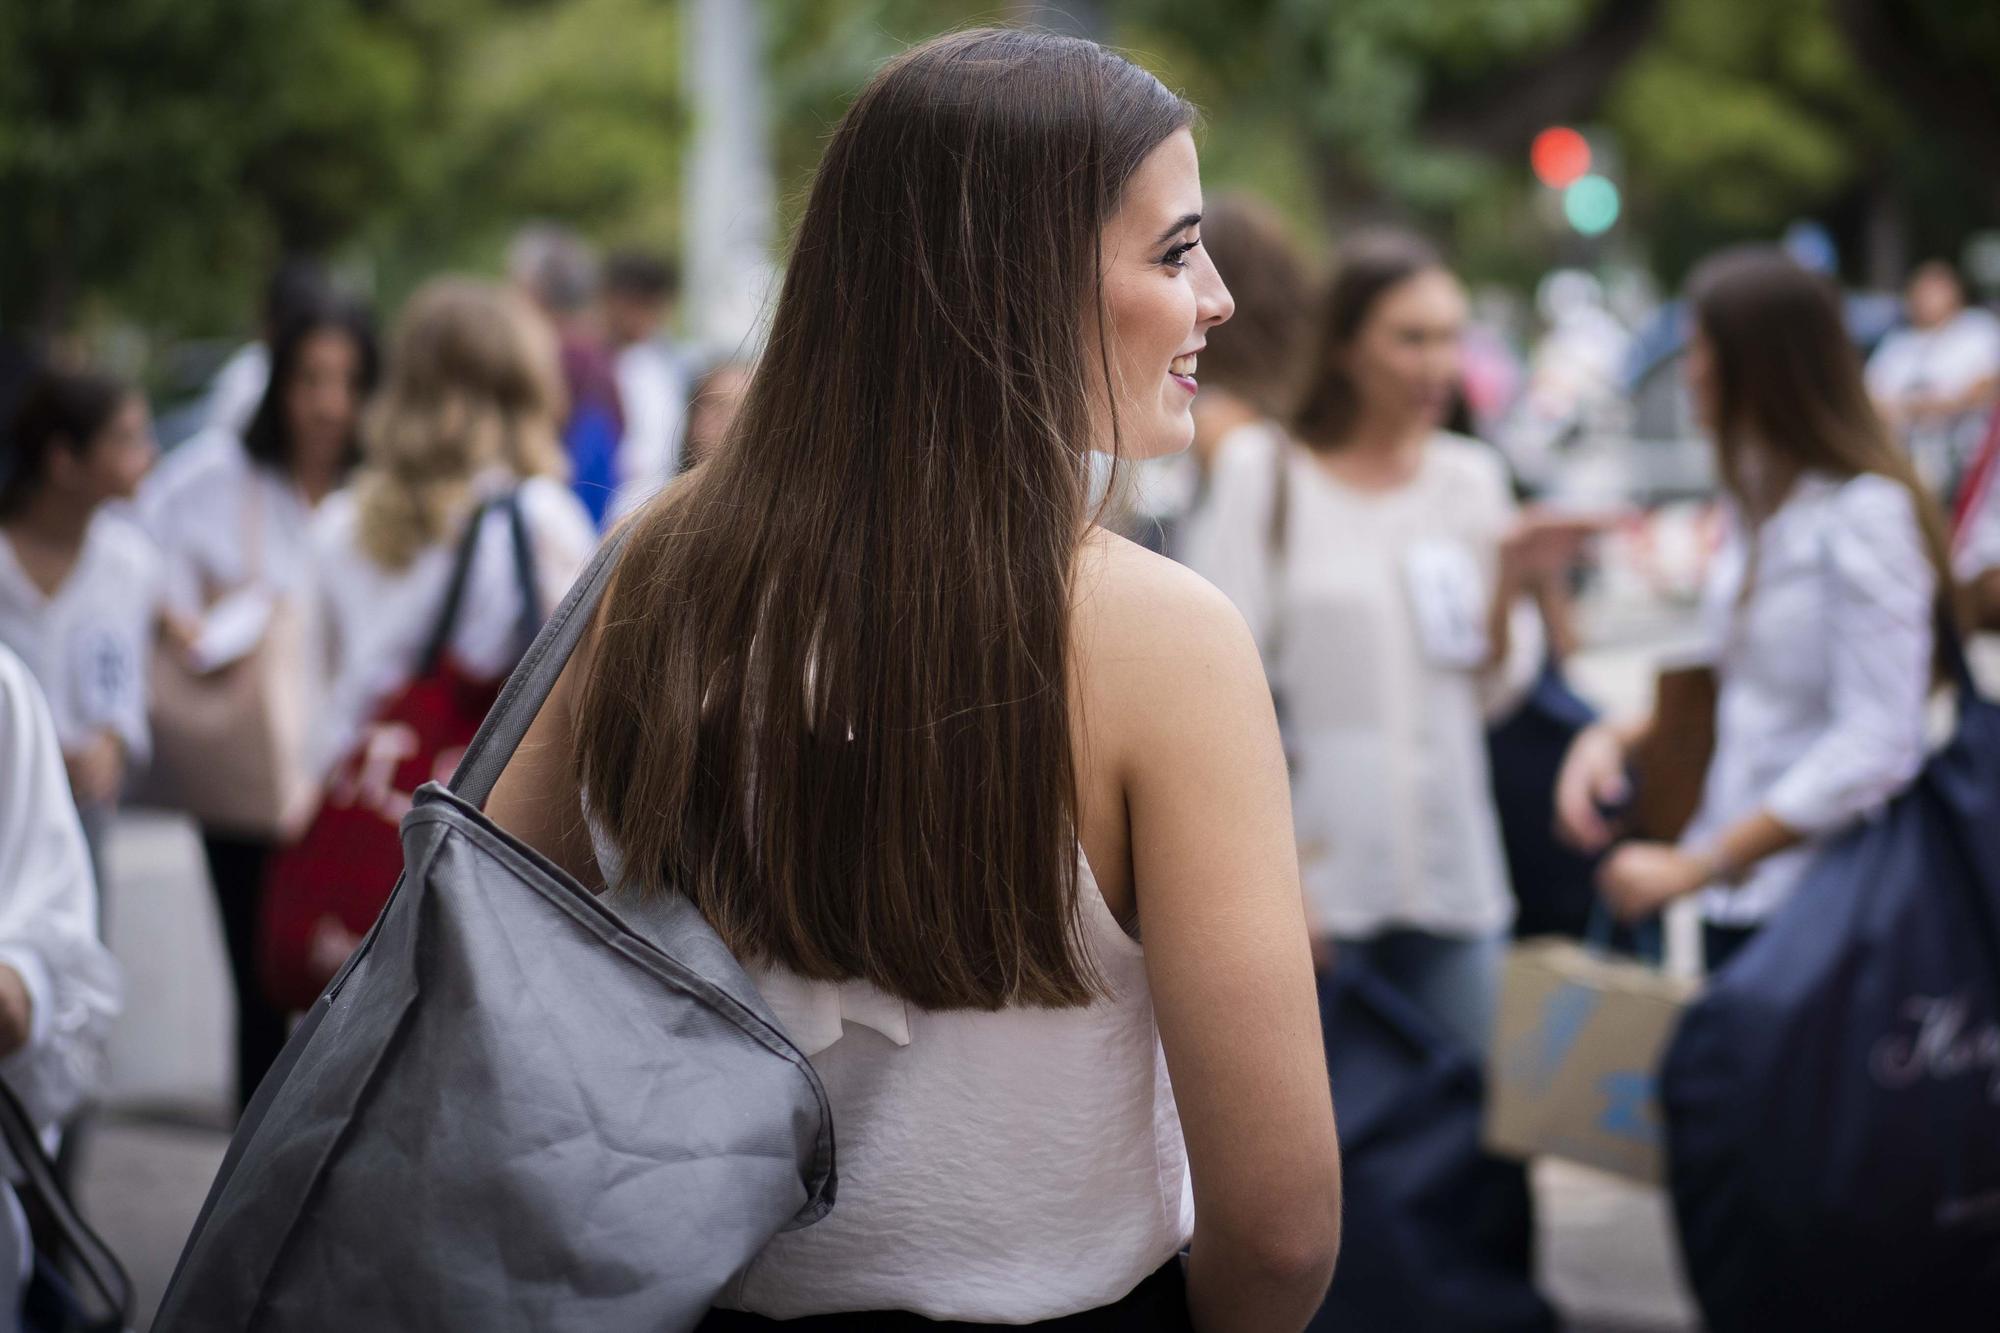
[[515, 1108]]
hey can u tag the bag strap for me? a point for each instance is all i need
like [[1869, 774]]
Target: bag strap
[[528, 687], [530, 623], [454, 592], [96, 1262], [1979, 479], [1277, 543]]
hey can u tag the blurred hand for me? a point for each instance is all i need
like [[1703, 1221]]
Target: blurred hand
[[1641, 878], [1544, 543], [97, 769], [1593, 776], [331, 944], [17, 1011]]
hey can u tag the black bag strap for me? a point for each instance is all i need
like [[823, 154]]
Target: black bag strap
[[98, 1266], [454, 592], [530, 623], [528, 688]]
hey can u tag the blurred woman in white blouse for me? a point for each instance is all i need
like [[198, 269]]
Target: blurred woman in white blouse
[[1820, 611], [470, 409], [1382, 564], [59, 988], [230, 514]]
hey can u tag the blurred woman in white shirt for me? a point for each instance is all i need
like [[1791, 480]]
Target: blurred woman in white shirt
[[79, 586], [1382, 564], [230, 513], [59, 989], [1820, 610], [470, 409]]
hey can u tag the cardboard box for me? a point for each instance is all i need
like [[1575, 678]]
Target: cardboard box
[[1576, 1057]]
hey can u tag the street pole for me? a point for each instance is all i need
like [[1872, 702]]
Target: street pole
[[730, 202]]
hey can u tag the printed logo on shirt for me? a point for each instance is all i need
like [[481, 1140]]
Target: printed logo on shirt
[[105, 671]]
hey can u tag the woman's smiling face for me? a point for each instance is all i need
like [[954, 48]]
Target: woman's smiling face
[[1160, 297]]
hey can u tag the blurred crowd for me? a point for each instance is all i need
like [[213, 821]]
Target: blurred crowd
[[1380, 480]]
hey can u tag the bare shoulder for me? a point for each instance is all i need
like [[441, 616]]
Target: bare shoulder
[[1134, 599], [1155, 640]]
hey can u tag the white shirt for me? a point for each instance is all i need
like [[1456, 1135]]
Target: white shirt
[[1823, 675], [48, 934], [1940, 362], [89, 644], [374, 622], [1380, 613], [653, 390], [222, 521], [238, 389], [1004, 1166]]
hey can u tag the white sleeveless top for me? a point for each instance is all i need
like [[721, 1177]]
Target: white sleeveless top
[[1001, 1167]]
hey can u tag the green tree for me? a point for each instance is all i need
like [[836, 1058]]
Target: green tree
[[148, 146]]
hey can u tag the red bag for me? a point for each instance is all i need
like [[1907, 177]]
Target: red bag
[[323, 892]]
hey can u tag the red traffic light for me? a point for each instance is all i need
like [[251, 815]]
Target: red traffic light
[[1559, 156]]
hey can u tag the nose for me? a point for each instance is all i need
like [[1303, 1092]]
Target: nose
[[1212, 302]]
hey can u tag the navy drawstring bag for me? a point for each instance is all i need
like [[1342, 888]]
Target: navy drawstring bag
[[1438, 1236], [1833, 1097]]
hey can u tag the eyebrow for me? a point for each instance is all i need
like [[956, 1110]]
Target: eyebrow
[[1186, 220]]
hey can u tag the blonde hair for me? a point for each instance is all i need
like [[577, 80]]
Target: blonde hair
[[474, 381]]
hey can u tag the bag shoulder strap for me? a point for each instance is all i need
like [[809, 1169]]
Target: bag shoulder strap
[[524, 576], [528, 687], [95, 1261], [454, 592], [1277, 544]]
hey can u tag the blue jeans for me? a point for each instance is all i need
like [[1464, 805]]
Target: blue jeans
[[1453, 978]]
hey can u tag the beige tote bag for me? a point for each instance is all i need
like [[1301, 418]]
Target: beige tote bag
[[229, 746]]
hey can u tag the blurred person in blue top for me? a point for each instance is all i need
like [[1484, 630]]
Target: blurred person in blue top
[[231, 513], [79, 585], [638, 300], [559, 275], [1820, 612]]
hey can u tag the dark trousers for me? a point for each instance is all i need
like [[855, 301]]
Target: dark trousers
[[1157, 1305], [236, 868]]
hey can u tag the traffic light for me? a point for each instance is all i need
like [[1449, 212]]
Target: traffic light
[[1591, 204], [1560, 156], [1564, 161]]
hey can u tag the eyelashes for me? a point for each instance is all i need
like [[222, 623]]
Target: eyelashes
[[1176, 258]]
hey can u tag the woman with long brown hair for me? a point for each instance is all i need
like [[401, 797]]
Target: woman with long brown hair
[[934, 753], [1820, 610]]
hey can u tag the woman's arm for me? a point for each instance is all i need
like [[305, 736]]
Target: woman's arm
[[537, 798], [1217, 886], [1878, 641]]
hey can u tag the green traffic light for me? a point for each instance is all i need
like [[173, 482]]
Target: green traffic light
[[1591, 204]]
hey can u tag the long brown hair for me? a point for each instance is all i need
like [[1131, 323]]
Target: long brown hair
[[473, 382], [1370, 267], [1789, 395], [829, 701]]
